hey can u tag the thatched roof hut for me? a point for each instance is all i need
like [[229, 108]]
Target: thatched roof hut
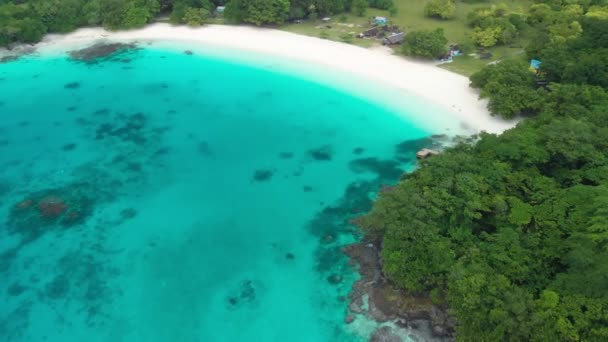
[[396, 38]]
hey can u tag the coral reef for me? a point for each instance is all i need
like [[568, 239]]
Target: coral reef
[[100, 51], [262, 175], [51, 209], [323, 153]]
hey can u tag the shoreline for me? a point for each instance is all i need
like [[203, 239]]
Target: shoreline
[[392, 77]]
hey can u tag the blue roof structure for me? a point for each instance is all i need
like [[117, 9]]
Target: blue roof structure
[[380, 20], [535, 64]]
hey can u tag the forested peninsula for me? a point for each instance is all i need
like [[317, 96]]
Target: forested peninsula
[[511, 232], [508, 232]]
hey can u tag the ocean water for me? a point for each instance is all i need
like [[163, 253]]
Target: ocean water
[[160, 196]]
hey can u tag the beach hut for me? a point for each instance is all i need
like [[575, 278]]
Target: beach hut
[[395, 38], [372, 32], [220, 9], [380, 20], [425, 153]]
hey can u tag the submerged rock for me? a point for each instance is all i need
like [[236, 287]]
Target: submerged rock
[[101, 50], [10, 58], [51, 207], [358, 150], [323, 153], [385, 334], [334, 279], [72, 85], [286, 155], [262, 175], [69, 147], [128, 213]]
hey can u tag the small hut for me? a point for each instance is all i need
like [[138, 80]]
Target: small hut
[[372, 32], [220, 9], [425, 153], [395, 38]]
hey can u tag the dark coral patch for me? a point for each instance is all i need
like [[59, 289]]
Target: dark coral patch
[[15, 289], [262, 175], [323, 153], [130, 128], [100, 51], [286, 155], [69, 147], [128, 213], [204, 149], [102, 111], [134, 167], [386, 169], [51, 209], [58, 287], [72, 85]]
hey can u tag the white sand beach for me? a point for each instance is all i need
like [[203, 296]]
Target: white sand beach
[[423, 80]]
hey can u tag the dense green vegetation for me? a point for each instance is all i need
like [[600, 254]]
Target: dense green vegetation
[[442, 9], [28, 20], [511, 232], [425, 43]]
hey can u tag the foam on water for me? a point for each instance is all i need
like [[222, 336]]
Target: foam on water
[[159, 196]]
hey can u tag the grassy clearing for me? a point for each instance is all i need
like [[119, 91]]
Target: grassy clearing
[[342, 28], [410, 16]]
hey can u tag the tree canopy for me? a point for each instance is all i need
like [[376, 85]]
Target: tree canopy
[[425, 43], [442, 9], [28, 20]]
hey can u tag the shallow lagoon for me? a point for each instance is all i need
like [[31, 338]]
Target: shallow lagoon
[[162, 196]]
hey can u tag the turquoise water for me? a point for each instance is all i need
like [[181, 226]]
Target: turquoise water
[[159, 196]]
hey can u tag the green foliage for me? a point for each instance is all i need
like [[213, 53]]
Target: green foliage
[[19, 23], [261, 12], [360, 7], [492, 26], [257, 12], [442, 9], [393, 11], [346, 38], [190, 12], [428, 44], [511, 88], [195, 16], [512, 231], [597, 12], [381, 4]]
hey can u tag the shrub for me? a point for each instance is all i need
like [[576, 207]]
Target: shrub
[[425, 43], [442, 9]]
